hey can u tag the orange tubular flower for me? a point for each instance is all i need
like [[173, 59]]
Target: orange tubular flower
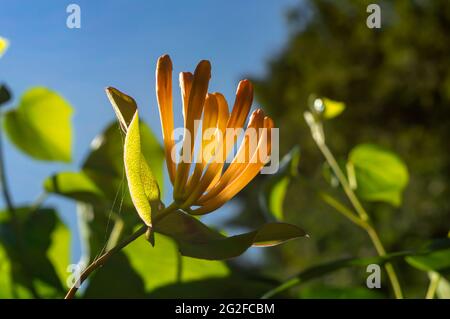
[[209, 186]]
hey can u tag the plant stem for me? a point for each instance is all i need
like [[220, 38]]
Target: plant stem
[[104, 258], [319, 139], [14, 220], [346, 212], [179, 267], [434, 283], [5, 189]]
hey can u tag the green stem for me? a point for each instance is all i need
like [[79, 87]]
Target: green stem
[[319, 139], [283, 287], [434, 283], [105, 257], [14, 220], [5, 189], [179, 267], [38, 202], [346, 212]]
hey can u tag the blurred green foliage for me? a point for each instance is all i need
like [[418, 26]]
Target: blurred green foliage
[[40, 126]]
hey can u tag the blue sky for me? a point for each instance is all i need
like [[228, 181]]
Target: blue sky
[[118, 45]]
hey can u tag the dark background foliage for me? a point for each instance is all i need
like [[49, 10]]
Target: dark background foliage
[[395, 82]]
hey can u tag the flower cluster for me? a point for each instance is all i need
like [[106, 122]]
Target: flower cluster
[[210, 184]]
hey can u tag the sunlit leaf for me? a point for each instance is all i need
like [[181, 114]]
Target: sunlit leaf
[[106, 156], [41, 125], [6, 282], [140, 268], [199, 241], [59, 250], [437, 261], [3, 46], [273, 193], [276, 197], [102, 178], [332, 108], [143, 187], [76, 185], [380, 174], [40, 257]]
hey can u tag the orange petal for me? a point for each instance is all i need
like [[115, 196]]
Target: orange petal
[[238, 183], [239, 113], [164, 97], [197, 98], [210, 118], [242, 104], [243, 157], [186, 79], [224, 115]]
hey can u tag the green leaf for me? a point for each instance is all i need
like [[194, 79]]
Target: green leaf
[[3, 46], [74, 185], [6, 282], [101, 180], [38, 259], [143, 187], [380, 174], [325, 108], [437, 261], [276, 197], [327, 268], [124, 106], [140, 269], [105, 208], [332, 108], [41, 125], [273, 193], [5, 95], [199, 241]]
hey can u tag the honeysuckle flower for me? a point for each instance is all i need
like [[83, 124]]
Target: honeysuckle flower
[[210, 186], [203, 185]]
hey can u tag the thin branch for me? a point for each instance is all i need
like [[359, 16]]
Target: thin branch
[[319, 138], [105, 257]]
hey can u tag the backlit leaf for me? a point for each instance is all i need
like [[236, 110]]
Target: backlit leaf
[[199, 241], [273, 193], [40, 258], [332, 108], [140, 269], [76, 185], [143, 187], [41, 126], [380, 174]]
